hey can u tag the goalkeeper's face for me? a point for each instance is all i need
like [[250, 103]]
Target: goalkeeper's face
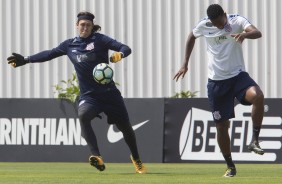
[[84, 28]]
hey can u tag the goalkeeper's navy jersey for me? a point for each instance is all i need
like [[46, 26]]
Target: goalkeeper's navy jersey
[[85, 54]]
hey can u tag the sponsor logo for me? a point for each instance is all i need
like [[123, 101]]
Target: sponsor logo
[[198, 136], [40, 131], [81, 58], [222, 38], [115, 136], [219, 40]]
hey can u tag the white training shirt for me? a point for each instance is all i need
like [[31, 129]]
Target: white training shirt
[[225, 56]]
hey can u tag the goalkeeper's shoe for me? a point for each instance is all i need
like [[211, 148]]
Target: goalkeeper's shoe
[[97, 162], [255, 148], [230, 172], [139, 166]]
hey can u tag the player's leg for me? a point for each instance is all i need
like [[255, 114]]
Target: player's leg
[[221, 100], [255, 96], [129, 137], [223, 140], [118, 115], [251, 94], [86, 112]]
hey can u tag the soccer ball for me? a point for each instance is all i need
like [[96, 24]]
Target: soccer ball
[[103, 73]]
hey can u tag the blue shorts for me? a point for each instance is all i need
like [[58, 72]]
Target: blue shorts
[[222, 93], [110, 102]]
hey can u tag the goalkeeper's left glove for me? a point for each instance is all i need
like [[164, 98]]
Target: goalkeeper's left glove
[[116, 57], [17, 60]]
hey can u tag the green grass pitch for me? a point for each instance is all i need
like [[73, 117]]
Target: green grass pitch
[[83, 173]]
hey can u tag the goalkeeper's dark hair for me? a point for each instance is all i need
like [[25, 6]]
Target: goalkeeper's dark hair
[[214, 11], [84, 15]]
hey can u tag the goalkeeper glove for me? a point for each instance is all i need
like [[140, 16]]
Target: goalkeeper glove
[[17, 60], [116, 57]]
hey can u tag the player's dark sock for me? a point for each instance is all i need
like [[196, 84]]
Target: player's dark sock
[[256, 131], [129, 137], [228, 160]]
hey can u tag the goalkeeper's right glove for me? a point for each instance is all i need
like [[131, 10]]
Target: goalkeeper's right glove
[[116, 57], [17, 60]]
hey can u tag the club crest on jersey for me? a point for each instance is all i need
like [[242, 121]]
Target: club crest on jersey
[[216, 115], [228, 28], [90, 46]]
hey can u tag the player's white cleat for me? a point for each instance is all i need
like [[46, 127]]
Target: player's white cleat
[[255, 148]]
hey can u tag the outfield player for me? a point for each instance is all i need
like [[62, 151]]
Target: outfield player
[[227, 78], [85, 52]]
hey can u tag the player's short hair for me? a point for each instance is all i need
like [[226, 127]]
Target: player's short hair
[[88, 16], [214, 11]]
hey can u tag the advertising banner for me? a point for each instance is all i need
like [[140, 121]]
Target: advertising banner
[[49, 130], [167, 130], [190, 133], [147, 117]]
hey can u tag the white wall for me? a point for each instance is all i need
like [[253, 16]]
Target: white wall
[[156, 30]]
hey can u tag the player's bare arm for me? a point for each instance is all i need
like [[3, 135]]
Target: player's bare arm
[[251, 32], [188, 50]]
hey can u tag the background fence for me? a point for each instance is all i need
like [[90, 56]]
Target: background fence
[[156, 30]]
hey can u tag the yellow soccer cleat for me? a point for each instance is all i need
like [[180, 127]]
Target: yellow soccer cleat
[[97, 162], [139, 166]]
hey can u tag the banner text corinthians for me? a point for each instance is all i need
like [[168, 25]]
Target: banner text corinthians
[[40, 131]]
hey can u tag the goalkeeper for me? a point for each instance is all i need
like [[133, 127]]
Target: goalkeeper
[[85, 52]]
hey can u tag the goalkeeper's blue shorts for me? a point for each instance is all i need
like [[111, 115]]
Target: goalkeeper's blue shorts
[[110, 102]]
